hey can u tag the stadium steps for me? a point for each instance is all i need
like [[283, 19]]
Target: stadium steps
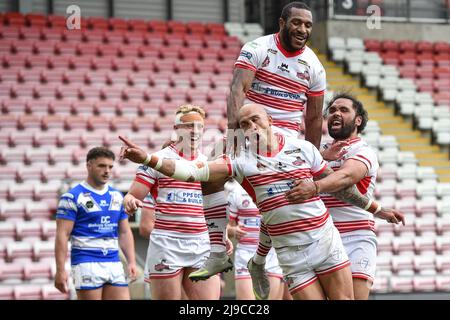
[[390, 124]]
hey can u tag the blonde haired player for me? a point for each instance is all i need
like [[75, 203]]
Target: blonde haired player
[[179, 242]]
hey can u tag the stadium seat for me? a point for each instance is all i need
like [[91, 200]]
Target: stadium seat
[[12, 210], [12, 270], [27, 292], [401, 284], [424, 284], [443, 283], [15, 250], [425, 245], [48, 230], [28, 229], [43, 249], [49, 292]]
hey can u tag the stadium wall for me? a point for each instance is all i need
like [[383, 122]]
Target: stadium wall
[[389, 30], [183, 10]]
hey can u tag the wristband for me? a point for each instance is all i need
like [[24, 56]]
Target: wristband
[[374, 208], [156, 166], [316, 184], [378, 210], [368, 205], [147, 160]]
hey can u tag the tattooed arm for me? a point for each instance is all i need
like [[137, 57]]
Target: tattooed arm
[[341, 184]]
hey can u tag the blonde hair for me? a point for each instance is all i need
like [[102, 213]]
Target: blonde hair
[[186, 108]]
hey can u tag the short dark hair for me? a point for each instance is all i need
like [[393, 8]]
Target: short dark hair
[[357, 106], [286, 12], [100, 152]]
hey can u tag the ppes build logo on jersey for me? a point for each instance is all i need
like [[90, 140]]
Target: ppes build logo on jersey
[[284, 67]]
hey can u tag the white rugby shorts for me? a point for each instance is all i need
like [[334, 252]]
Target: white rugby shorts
[[168, 255], [244, 253], [362, 253], [94, 275], [303, 264]]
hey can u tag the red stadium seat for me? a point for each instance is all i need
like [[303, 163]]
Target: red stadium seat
[[407, 46], [195, 27], [16, 192], [215, 28], [15, 250], [424, 284], [389, 45], [7, 229], [214, 41], [175, 27], [13, 210], [190, 54], [441, 47], [43, 249], [401, 284], [137, 25], [49, 292], [97, 23], [14, 270], [36, 20], [118, 24], [27, 292], [14, 19], [40, 210], [41, 270], [6, 292], [48, 229], [158, 26], [28, 229], [372, 45]]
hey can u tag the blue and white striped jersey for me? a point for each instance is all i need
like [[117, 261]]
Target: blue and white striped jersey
[[96, 214]]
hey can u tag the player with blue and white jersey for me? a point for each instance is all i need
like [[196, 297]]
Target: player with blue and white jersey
[[92, 216]]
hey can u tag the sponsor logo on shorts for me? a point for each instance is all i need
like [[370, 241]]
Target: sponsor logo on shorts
[[288, 280], [86, 279], [241, 270], [161, 266], [246, 54], [364, 263], [336, 254]]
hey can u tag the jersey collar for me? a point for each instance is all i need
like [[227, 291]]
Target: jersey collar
[[92, 189], [181, 154], [270, 153], [287, 54]]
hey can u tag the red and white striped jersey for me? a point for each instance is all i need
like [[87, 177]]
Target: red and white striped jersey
[[266, 178], [347, 217], [244, 212], [179, 205], [283, 80]]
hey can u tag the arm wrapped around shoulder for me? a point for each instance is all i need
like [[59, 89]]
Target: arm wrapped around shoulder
[[191, 171]]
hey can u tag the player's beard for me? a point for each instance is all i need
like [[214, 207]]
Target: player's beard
[[287, 35], [344, 132]]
